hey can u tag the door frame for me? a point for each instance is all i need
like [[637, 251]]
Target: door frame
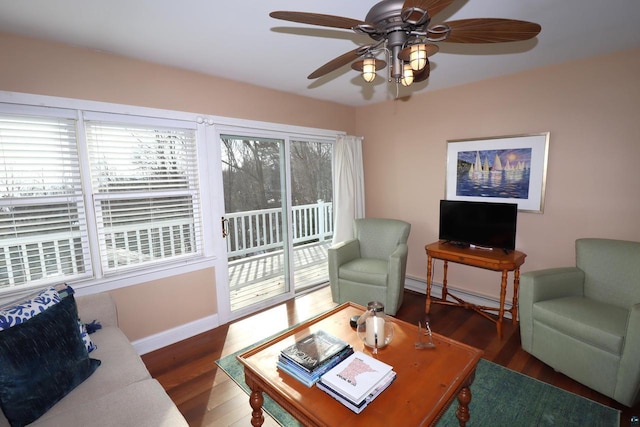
[[271, 131]]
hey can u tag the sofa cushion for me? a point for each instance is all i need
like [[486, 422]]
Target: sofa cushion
[[141, 404], [121, 366], [41, 361], [593, 322], [365, 270]]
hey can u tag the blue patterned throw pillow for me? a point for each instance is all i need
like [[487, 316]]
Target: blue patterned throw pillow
[[22, 311], [86, 339], [41, 361], [19, 312]]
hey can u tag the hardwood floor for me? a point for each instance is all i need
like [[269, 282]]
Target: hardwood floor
[[208, 397]]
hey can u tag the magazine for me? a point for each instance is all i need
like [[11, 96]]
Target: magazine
[[313, 350]]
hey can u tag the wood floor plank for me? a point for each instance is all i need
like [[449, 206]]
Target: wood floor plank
[[207, 397]]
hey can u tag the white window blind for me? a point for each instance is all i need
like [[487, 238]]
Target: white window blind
[[145, 190], [42, 215]]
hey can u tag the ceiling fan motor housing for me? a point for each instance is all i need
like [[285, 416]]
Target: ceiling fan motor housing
[[387, 19]]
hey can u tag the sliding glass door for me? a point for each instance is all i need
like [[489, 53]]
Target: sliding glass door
[[277, 216], [255, 222]]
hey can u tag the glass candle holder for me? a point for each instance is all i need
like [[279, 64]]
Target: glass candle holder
[[373, 327]]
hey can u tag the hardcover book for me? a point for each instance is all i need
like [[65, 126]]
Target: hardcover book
[[358, 407], [356, 376], [310, 378], [313, 350]]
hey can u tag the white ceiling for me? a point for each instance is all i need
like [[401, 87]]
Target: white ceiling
[[238, 40]]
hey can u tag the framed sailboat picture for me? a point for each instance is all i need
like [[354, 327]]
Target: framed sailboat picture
[[500, 169]]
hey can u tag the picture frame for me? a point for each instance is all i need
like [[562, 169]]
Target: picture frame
[[499, 169]]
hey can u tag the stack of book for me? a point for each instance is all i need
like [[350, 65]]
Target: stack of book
[[311, 357], [357, 380]]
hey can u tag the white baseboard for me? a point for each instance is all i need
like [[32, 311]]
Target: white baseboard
[[173, 335], [419, 285]]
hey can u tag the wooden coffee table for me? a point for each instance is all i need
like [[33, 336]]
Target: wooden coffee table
[[427, 380]]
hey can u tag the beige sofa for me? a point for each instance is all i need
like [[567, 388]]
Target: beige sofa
[[121, 392]]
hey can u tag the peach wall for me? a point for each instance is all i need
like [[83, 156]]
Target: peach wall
[[591, 109], [149, 308], [45, 68]]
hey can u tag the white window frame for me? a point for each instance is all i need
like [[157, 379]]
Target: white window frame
[[192, 191], [45, 201]]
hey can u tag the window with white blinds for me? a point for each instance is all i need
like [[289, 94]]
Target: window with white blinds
[[43, 228], [145, 192]]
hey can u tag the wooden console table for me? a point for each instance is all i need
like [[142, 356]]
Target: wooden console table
[[496, 260]]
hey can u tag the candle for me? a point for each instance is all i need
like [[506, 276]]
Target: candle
[[375, 332]]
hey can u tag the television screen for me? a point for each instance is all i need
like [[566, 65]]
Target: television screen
[[483, 224]]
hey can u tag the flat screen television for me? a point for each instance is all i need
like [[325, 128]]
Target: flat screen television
[[482, 224]]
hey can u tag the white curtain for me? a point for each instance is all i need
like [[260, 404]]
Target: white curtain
[[348, 185]]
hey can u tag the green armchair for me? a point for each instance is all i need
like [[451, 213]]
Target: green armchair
[[584, 321], [372, 265]]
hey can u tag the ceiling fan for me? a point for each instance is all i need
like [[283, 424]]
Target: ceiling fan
[[403, 34]]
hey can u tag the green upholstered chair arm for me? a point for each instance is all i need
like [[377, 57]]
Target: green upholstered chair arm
[[396, 275], [337, 255], [542, 285], [553, 283], [344, 252], [397, 259], [628, 384]]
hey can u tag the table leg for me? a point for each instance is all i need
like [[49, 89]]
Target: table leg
[[516, 288], [503, 294], [256, 400], [464, 398], [445, 269], [427, 307]]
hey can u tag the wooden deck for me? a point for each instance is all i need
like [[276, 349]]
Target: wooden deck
[[261, 277]]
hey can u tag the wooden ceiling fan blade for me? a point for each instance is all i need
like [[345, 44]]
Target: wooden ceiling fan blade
[[491, 30], [433, 7], [317, 19], [336, 63]]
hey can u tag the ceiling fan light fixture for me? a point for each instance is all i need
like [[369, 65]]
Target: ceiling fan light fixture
[[418, 56], [369, 69], [407, 75]]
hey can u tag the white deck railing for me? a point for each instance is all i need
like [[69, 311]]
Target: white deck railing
[[60, 255], [129, 245], [252, 232], [26, 259]]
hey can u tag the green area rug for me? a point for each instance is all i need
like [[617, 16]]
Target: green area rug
[[500, 397]]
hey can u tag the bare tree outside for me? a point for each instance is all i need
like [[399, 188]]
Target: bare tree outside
[[253, 184], [311, 172], [251, 169]]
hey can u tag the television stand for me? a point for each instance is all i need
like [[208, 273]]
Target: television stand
[[491, 260]]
